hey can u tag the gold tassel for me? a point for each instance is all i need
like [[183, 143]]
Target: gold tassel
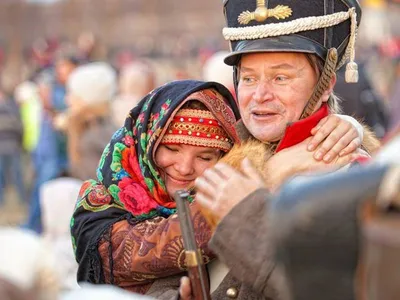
[[351, 75]]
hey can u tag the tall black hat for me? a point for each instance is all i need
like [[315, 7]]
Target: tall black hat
[[326, 28]]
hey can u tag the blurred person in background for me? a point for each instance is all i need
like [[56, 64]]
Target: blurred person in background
[[90, 89], [214, 69], [11, 132], [394, 99], [50, 155], [181, 72], [10, 291], [86, 122], [361, 101], [57, 202], [29, 270], [89, 47], [101, 292], [42, 54], [27, 97], [137, 78], [64, 66], [122, 58], [45, 154], [135, 81]]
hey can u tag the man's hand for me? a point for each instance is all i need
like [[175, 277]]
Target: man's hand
[[297, 159], [185, 290], [335, 136], [219, 189]]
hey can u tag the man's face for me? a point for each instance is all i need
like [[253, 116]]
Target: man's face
[[273, 91]]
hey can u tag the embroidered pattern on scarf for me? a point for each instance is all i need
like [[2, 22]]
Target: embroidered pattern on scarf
[[127, 176]]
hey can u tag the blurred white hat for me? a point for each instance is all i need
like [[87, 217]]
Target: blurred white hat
[[216, 70], [26, 91], [137, 79], [26, 261], [93, 83], [56, 214], [101, 292], [56, 217], [121, 106]]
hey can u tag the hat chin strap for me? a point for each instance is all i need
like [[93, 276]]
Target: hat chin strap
[[323, 83]]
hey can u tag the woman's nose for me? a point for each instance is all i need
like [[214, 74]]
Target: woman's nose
[[185, 166]]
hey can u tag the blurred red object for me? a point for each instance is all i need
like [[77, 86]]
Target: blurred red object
[[181, 74], [391, 48], [43, 50], [204, 55], [123, 58]]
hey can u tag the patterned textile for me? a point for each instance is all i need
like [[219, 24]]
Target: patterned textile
[[129, 185], [198, 128]]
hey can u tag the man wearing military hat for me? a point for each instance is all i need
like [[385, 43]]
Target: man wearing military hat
[[285, 55], [288, 49]]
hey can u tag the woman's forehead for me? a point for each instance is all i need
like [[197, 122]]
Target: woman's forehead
[[197, 149]]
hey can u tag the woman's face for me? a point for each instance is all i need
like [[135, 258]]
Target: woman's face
[[180, 165]]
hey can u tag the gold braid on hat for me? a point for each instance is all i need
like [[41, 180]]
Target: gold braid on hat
[[332, 63]]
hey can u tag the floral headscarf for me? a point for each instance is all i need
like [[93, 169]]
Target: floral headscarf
[[129, 185]]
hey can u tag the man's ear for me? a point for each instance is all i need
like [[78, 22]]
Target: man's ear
[[329, 91]]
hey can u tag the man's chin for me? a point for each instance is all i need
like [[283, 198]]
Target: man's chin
[[268, 137], [266, 132]]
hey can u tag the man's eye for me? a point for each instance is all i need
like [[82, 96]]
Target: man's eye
[[247, 79], [281, 78]]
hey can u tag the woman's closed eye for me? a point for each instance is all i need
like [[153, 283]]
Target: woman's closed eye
[[173, 149], [211, 156], [206, 158]]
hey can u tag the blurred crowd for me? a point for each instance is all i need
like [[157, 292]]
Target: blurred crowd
[[55, 116], [54, 126]]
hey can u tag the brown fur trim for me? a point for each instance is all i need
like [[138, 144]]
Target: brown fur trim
[[259, 153], [243, 133], [370, 142]]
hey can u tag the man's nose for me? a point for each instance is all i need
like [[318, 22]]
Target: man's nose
[[263, 92]]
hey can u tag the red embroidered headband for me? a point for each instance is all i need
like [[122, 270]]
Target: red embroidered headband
[[198, 128]]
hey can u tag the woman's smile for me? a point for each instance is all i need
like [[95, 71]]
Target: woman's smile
[[179, 181]]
